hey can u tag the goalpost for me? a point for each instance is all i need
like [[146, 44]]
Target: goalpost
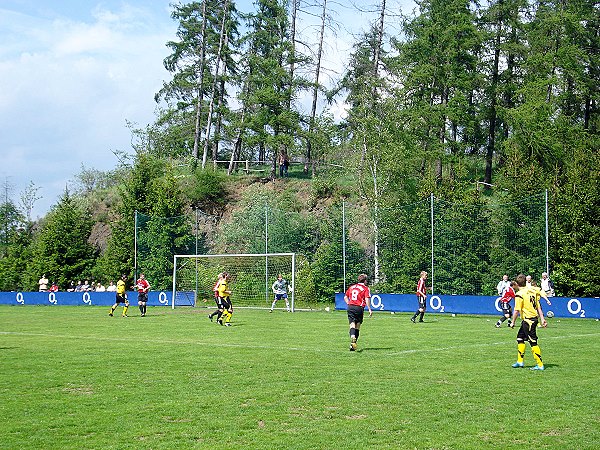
[[251, 278]]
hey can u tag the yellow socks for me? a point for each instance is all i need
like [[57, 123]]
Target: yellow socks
[[537, 354], [520, 352]]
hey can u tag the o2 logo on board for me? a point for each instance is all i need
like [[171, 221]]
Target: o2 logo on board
[[376, 302], [574, 307], [162, 299], [436, 303]]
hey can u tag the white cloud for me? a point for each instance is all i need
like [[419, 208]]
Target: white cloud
[[73, 72], [68, 87]]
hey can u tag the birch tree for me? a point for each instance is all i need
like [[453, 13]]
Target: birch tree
[[269, 118], [195, 62]]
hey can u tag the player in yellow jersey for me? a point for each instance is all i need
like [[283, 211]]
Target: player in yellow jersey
[[539, 293], [225, 306], [121, 297], [527, 305]]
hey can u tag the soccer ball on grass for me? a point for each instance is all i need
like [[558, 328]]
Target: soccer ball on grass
[[549, 314]]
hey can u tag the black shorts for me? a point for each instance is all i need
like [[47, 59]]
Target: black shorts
[[142, 297], [121, 298], [422, 303], [528, 332], [280, 296], [506, 308], [355, 313], [224, 303]]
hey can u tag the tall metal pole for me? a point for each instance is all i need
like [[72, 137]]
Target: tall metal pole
[[432, 291], [344, 243], [547, 235], [266, 251], [174, 293], [135, 226], [293, 280], [196, 261]]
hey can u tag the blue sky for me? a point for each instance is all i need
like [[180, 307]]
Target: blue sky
[[73, 72]]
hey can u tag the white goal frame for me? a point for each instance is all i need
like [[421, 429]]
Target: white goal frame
[[241, 255]]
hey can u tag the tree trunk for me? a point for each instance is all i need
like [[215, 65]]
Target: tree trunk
[[315, 93], [489, 154], [379, 40], [214, 87], [295, 6], [219, 122], [197, 131]]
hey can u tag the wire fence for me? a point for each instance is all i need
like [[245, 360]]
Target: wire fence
[[465, 247]]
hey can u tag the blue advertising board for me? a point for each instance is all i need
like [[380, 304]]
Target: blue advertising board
[[155, 298], [444, 304], [476, 304]]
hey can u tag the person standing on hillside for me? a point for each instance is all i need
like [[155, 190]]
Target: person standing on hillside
[[421, 297], [281, 165], [357, 297], [531, 314], [121, 297], [143, 287]]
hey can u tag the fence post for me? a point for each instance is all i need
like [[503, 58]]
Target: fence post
[[135, 246], [196, 260], [344, 243], [547, 233], [432, 241], [266, 251]]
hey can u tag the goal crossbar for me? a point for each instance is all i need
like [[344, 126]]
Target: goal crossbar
[[243, 256]]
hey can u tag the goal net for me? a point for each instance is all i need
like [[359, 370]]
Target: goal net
[[250, 278]]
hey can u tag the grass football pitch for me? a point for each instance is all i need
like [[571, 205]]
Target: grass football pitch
[[72, 377]]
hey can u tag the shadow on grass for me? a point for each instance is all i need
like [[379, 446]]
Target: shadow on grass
[[551, 366], [374, 349], [236, 324]]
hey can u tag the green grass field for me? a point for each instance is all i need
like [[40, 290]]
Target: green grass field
[[72, 377]]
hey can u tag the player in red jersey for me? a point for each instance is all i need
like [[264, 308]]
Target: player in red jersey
[[507, 296], [421, 297], [357, 297], [142, 287]]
